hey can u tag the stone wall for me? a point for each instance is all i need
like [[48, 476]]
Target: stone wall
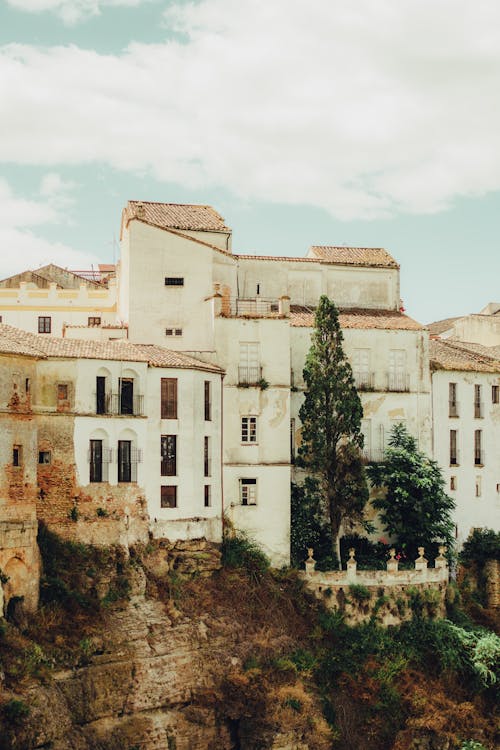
[[391, 596]]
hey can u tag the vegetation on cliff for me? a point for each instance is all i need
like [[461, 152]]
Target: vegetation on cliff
[[261, 664]]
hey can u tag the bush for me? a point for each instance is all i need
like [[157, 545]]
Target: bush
[[369, 555], [238, 551], [482, 545], [15, 711], [359, 592]]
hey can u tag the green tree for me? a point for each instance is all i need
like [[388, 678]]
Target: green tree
[[414, 507], [331, 424]]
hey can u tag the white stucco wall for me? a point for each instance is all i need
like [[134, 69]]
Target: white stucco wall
[[471, 510], [191, 519], [153, 307]]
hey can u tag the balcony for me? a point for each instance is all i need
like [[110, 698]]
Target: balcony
[[365, 381], [116, 404], [249, 375], [252, 307], [398, 381], [453, 410]]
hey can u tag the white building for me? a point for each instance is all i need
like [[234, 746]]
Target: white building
[[466, 431], [181, 285], [128, 438]]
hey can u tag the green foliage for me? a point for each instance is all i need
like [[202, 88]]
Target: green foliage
[[294, 703], [331, 422], [359, 592], [414, 509], [102, 512], [308, 525], [263, 384], [74, 513], [238, 551], [369, 555], [482, 545], [472, 745], [15, 711]]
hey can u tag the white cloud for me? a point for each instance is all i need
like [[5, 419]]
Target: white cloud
[[22, 247], [70, 11], [364, 109]]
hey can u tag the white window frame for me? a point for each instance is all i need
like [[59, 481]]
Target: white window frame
[[248, 491], [249, 434]]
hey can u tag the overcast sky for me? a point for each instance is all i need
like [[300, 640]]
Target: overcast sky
[[370, 122]]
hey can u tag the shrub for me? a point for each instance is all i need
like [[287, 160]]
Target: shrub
[[238, 551], [359, 592], [482, 545], [15, 711]]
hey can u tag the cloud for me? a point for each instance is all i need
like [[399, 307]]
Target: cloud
[[70, 11], [22, 247], [367, 109]]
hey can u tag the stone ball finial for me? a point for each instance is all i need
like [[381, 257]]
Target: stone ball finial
[[421, 551], [392, 553], [310, 552], [352, 552]]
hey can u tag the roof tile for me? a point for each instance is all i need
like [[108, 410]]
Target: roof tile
[[303, 317], [176, 216]]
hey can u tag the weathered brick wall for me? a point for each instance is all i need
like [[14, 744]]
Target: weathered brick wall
[[492, 575], [19, 556], [97, 513]]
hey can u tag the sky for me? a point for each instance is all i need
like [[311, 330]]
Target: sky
[[364, 123]]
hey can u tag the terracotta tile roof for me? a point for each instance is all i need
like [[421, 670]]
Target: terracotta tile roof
[[303, 317], [440, 326], [15, 341], [453, 355], [176, 216], [276, 257], [354, 256]]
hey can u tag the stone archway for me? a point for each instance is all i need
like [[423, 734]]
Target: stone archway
[[18, 580]]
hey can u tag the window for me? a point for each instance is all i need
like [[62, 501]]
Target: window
[[17, 455], [249, 429], [93, 321], [208, 400], [495, 393], [44, 324], [248, 491], [95, 460], [478, 486], [62, 392], [173, 331], [169, 398], [168, 455], [453, 448], [452, 396], [249, 370], [126, 395], [169, 496], [1, 318], [44, 457], [207, 499], [398, 376], [127, 461], [174, 281], [478, 451], [100, 391], [27, 385], [207, 463], [361, 369], [478, 410], [453, 483]]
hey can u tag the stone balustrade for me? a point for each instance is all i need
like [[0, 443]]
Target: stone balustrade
[[421, 573]]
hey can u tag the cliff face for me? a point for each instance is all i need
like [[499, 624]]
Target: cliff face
[[143, 674]]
